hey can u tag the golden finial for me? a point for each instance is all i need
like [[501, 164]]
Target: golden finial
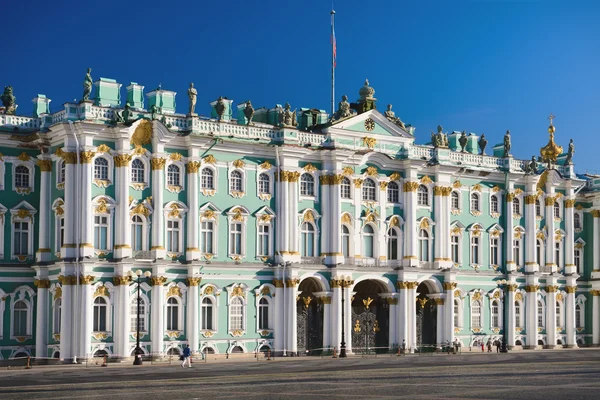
[[551, 128], [551, 151]]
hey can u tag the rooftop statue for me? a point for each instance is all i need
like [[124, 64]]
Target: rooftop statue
[[220, 107], [507, 144], [288, 117], [249, 112], [569, 159], [87, 85], [127, 113], [343, 110], [153, 111], [9, 101], [462, 140], [439, 139], [192, 93], [390, 115], [482, 143], [533, 166]]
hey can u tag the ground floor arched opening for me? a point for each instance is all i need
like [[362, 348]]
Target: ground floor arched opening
[[370, 317], [309, 317], [426, 309]]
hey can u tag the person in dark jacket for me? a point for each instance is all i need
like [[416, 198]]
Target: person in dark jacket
[[187, 353]]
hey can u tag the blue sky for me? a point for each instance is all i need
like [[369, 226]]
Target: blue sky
[[481, 66]]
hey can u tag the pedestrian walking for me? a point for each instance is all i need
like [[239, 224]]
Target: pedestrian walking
[[482, 346], [489, 345], [403, 346], [497, 346], [187, 357]]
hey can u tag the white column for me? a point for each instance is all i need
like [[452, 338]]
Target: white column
[[327, 321], [336, 312], [402, 313], [44, 251], [292, 215], [445, 226], [595, 315], [193, 317], [551, 314], [570, 267], [509, 231], [68, 250], [438, 228], [596, 239], [410, 231], [87, 213], [550, 264], [122, 223], [382, 231], [279, 322], [531, 314], [393, 317], [412, 313], [192, 250], [510, 302], [158, 329], [530, 234], [292, 317], [335, 212], [86, 317], [439, 304], [41, 318], [283, 214], [122, 315], [570, 315], [158, 182], [67, 317], [325, 199], [348, 323], [448, 311]]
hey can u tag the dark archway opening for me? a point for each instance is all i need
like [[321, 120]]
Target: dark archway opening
[[426, 319], [309, 318], [370, 318]]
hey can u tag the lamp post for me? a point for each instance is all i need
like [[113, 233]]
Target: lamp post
[[138, 350], [504, 285], [344, 283]]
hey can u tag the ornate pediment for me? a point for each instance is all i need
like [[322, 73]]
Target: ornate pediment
[[370, 123]]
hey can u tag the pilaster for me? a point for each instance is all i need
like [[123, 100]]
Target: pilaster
[[87, 213], [122, 248], [67, 345], [532, 312], [158, 182], [192, 251], [595, 315], [44, 251], [122, 314], [41, 318], [569, 241], [68, 250], [531, 264], [193, 317], [549, 204], [278, 329], [410, 232], [551, 289], [509, 228], [570, 327], [511, 287], [448, 309], [86, 316], [158, 329], [291, 330]]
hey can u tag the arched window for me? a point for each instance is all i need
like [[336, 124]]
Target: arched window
[[173, 175], [494, 206], [455, 201], [495, 314], [423, 245], [137, 171], [475, 202], [57, 316], [345, 241], [556, 210], [134, 313], [207, 314], [538, 208], [576, 221], [208, 179], [263, 314], [422, 195], [393, 193], [100, 314], [516, 206], [518, 315], [456, 311], [368, 190], [21, 176], [368, 236], [235, 181], [264, 184], [101, 168], [538, 251], [172, 314], [345, 188], [137, 233], [236, 314], [540, 312], [20, 318], [454, 248], [307, 185], [578, 319], [61, 171], [393, 244], [476, 314], [307, 247], [558, 314]]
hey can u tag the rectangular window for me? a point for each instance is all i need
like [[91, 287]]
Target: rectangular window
[[475, 250], [60, 234], [495, 319], [263, 240], [540, 316], [494, 251], [517, 315], [173, 244], [456, 314], [99, 319], [235, 238], [557, 253], [454, 248], [136, 236], [206, 237], [21, 243], [101, 232], [134, 312], [517, 251], [577, 258], [207, 315]]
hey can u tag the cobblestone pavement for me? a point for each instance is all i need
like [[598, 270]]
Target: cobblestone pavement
[[572, 374]]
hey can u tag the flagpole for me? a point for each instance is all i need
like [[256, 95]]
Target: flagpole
[[333, 51]]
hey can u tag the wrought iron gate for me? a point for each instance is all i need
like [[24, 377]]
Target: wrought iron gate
[[309, 326]]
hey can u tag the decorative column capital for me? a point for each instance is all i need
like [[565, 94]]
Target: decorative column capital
[[325, 299], [86, 157], [530, 199], [292, 282], [551, 288], [511, 287], [122, 160], [569, 203], [69, 157], [86, 280], [570, 289], [411, 186], [193, 167], [596, 213], [278, 283], [532, 288], [392, 301], [67, 280], [45, 165], [121, 280], [194, 281], [42, 283], [158, 280], [158, 163], [595, 292], [449, 285]]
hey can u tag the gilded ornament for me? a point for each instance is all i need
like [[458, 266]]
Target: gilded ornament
[[175, 212], [69, 157], [412, 285], [310, 168], [57, 293], [424, 224], [142, 134], [369, 124], [569, 203], [266, 165], [357, 326], [158, 280], [411, 186], [348, 170], [102, 149], [101, 291], [551, 151], [140, 209], [457, 184], [519, 296], [383, 185], [45, 165], [209, 159], [309, 216], [278, 283], [476, 188], [24, 157], [208, 214], [174, 291], [395, 176], [237, 214], [496, 189], [426, 180], [86, 280], [392, 301], [102, 208], [530, 199], [422, 301], [449, 285], [237, 291], [42, 283], [369, 142], [158, 163], [122, 160], [559, 297], [175, 156], [532, 288], [265, 218], [358, 182], [306, 300], [86, 157], [239, 164], [371, 217], [139, 151], [121, 280], [579, 245], [394, 222], [23, 213], [346, 219], [372, 171], [510, 196]]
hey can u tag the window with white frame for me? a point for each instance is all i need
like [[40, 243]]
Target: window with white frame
[[207, 234], [345, 241], [61, 171], [558, 314], [539, 251], [494, 251], [456, 310], [101, 168], [60, 232], [576, 220], [557, 258], [21, 318], [307, 238], [173, 175], [476, 314], [56, 320], [518, 319], [577, 259], [264, 184], [494, 204], [516, 206], [556, 209], [422, 195], [137, 233], [21, 238], [475, 249], [579, 316], [208, 179], [208, 314], [138, 171], [538, 208], [307, 185], [174, 236], [236, 314], [264, 240], [369, 190], [345, 188], [475, 203], [101, 232], [21, 176], [455, 248], [423, 245], [236, 181], [393, 244], [235, 238], [540, 312], [173, 314], [263, 314], [368, 238], [100, 314], [455, 200], [495, 314], [143, 313], [393, 193], [517, 251]]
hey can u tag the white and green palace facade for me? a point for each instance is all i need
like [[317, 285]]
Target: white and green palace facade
[[255, 223]]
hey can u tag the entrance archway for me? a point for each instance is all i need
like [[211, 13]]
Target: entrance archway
[[426, 317], [370, 317], [309, 313]]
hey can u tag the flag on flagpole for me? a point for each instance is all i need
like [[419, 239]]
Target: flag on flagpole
[[333, 43]]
